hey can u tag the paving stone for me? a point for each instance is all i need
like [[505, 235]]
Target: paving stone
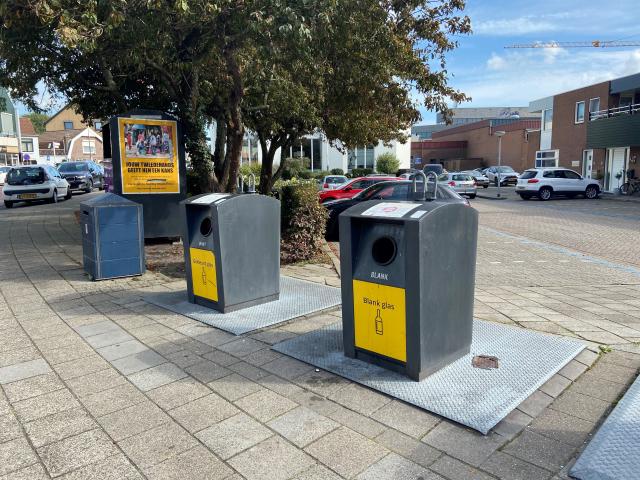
[[467, 445], [178, 393], [302, 426], [203, 412], [109, 338], [184, 358], [535, 403], [587, 357], [233, 435], [133, 420], [32, 387], [261, 357], [317, 472], [111, 400], [395, 467], [75, 452], [221, 358], [614, 373], [34, 472], [207, 371], [625, 359], [197, 463], [287, 367], [149, 331], [360, 399], [9, 428], [555, 385], [157, 445], [323, 383], [512, 424], [507, 467], [346, 452], [80, 367], [116, 467], [541, 451], [121, 350], [581, 406], [456, 470], [11, 357], [323, 406], [573, 370], [66, 354], [155, 377], [43, 405], [598, 387], [562, 427], [97, 328], [20, 371], [248, 371], [58, 426], [138, 362], [241, 347], [96, 382], [406, 418], [272, 459], [408, 447], [265, 405], [280, 385], [359, 423], [234, 386]]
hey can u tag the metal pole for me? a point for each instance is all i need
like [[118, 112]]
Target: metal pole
[[499, 163]]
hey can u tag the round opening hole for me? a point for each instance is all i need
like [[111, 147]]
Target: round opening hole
[[205, 227], [384, 250]]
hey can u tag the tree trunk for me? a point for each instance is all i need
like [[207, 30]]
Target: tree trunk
[[219, 152]]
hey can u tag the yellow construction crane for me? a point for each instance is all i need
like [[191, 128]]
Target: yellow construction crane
[[592, 44]]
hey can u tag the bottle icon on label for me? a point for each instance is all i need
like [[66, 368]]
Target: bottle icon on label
[[378, 321]]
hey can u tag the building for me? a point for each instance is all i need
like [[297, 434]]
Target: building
[[324, 155], [29, 142], [9, 131], [594, 130], [519, 143], [69, 119], [447, 153], [67, 145]]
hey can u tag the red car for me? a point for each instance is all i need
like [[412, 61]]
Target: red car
[[352, 188]]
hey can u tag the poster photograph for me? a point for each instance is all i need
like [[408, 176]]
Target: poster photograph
[[148, 156]]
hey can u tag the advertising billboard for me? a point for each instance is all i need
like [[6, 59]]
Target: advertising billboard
[[148, 156]]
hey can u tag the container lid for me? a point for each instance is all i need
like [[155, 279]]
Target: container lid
[[108, 199]]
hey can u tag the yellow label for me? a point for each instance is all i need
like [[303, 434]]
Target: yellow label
[[148, 156], [203, 274], [379, 316]]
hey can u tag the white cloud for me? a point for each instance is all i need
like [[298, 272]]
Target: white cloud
[[496, 62], [514, 26]]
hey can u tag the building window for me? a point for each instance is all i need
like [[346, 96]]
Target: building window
[[6, 123], [88, 147], [68, 125], [547, 119], [97, 125], [594, 105], [27, 145], [361, 157], [579, 112], [547, 158]]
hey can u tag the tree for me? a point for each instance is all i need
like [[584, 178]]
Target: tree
[[38, 120], [387, 163]]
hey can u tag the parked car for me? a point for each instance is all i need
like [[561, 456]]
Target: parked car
[[545, 183], [402, 190], [83, 175], [506, 174], [461, 183], [3, 174], [352, 188], [331, 182], [34, 182], [479, 177], [435, 168]]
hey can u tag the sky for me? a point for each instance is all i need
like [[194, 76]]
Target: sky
[[494, 76]]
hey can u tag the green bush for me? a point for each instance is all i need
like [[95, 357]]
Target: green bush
[[361, 172], [337, 171], [320, 174], [387, 163], [305, 175], [303, 220], [249, 168], [292, 168], [193, 186]]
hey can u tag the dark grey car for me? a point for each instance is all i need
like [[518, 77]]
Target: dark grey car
[[85, 175]]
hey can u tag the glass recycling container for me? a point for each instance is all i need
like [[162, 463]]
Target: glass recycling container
[[232, 250], [408, 277]]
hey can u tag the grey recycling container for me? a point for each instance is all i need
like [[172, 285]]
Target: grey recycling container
[[408, 276], [112, 237], [232, 250]]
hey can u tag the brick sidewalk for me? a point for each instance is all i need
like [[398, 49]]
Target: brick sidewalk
[[96, 383]]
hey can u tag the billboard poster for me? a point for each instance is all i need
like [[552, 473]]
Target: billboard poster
[[148, 156]]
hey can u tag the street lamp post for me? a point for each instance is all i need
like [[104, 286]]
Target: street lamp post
[[499, 134]]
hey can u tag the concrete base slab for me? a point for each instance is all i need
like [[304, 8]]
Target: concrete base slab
[[297, 298], [471, 396], [613, 451]]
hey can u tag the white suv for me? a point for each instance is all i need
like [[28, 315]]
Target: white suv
[[545, 183]]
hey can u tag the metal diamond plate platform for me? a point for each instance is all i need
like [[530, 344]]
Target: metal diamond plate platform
[[297, 298], [471, 396], [614, 452]]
